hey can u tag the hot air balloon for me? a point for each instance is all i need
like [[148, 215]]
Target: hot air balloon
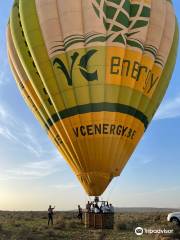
[[93, 72]]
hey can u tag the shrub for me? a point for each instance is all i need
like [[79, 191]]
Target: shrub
[[17, 225], [59, 219], [102, 236], [157, 218], [60, 226], [51, 233], [24, 233], [129, 226], [120, 226], [72, 224]]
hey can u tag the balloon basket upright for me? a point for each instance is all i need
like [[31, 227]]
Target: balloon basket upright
[[99, 220]]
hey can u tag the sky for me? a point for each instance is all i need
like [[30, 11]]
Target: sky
[[33, 175]]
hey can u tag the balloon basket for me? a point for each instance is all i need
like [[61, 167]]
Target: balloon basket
[[99, 220]]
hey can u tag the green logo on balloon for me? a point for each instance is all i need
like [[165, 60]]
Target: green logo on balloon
[[122, 21], [121, 18], [83, 67]]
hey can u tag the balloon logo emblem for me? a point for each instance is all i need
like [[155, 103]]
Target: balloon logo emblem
[[83, 64], [116, 18]]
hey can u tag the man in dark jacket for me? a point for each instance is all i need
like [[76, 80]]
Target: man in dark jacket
[[80, 213], [50, 214]]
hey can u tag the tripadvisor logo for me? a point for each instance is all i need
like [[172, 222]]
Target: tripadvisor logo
[[121, 18], [139, 231]]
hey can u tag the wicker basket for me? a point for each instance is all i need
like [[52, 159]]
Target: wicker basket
[[99, 220]]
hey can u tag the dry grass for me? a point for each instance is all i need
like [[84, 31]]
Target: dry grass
[[33, 226]]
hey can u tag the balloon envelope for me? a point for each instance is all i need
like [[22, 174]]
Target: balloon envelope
[[93, 72]]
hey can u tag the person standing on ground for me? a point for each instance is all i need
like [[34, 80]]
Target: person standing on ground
[[50, 214], [111, 208], [80, 213], [88, 206]]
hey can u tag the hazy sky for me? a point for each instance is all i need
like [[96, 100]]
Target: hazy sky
[[33, 175]]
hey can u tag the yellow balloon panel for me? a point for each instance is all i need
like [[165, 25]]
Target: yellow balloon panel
[[96, 71], [100, 140]]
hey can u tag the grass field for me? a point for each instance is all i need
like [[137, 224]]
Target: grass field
[[33, 226]]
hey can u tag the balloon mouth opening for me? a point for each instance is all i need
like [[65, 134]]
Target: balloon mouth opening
[[95, 183]]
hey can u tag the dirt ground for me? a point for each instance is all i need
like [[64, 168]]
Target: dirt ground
[[33, 226]]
